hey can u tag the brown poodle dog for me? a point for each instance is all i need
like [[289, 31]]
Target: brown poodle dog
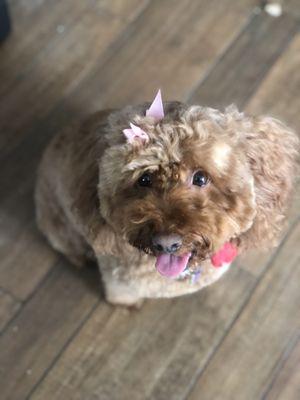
[[165, 205]]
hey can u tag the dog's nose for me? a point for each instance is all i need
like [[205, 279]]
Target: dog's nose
[[166, 243]]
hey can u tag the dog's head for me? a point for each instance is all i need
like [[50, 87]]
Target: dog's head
[[184, 190]]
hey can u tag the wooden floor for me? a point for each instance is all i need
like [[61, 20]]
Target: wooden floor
[[239, 339]]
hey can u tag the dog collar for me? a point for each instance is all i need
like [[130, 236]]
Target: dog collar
[[156, 111], [224, 256]]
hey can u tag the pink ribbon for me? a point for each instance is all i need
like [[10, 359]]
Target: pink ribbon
[[156, 111]]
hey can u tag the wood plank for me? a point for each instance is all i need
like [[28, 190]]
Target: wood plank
[[25, 15], [56, 55], [46, 323], [260, 335], [120, 70], [286, 385], [8, 308], [173, 33], [59, 23], [236, 77], [27, 257], [153, 353], [278, 93], [169, 40]]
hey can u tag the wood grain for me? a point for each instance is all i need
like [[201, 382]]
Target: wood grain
[[26, 256], [8, 308], [169, 47], [286, 383], [68, 343], [54, 57], [168, 39], [279, 92], [260, 335], [44, 326], [236, 76], [154, 353]]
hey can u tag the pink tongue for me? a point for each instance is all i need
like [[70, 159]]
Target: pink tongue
[[170, 265]]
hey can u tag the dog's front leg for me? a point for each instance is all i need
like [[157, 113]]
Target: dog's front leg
[[118, 288]]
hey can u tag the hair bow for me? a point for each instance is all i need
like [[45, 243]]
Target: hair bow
[[156, 111]]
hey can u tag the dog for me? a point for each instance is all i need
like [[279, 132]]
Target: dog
[[165, 195]]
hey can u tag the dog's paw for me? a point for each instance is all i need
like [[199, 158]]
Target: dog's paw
[[130, 303], [121, 295]]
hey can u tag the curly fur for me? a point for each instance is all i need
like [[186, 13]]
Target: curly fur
[[89, 205]]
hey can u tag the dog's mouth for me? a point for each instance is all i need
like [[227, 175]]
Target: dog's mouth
[[171, 265], [176, 265]]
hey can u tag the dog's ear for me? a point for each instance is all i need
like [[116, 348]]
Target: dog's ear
[[272, 151]]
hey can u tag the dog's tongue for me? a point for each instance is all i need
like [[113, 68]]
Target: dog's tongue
[[171, 265]]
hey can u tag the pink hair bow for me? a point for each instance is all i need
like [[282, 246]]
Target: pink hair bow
[[156, 111]]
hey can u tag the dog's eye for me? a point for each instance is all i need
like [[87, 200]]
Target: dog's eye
[[145, 180], [200, 179]]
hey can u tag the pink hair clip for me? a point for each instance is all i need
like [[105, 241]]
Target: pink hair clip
[[156, 111], [135, 132]]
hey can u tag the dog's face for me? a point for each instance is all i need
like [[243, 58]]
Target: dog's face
[[183, 193]]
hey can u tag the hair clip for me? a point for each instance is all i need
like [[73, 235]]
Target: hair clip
[[156, 111]]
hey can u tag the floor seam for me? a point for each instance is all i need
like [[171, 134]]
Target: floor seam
[[243, 306]]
